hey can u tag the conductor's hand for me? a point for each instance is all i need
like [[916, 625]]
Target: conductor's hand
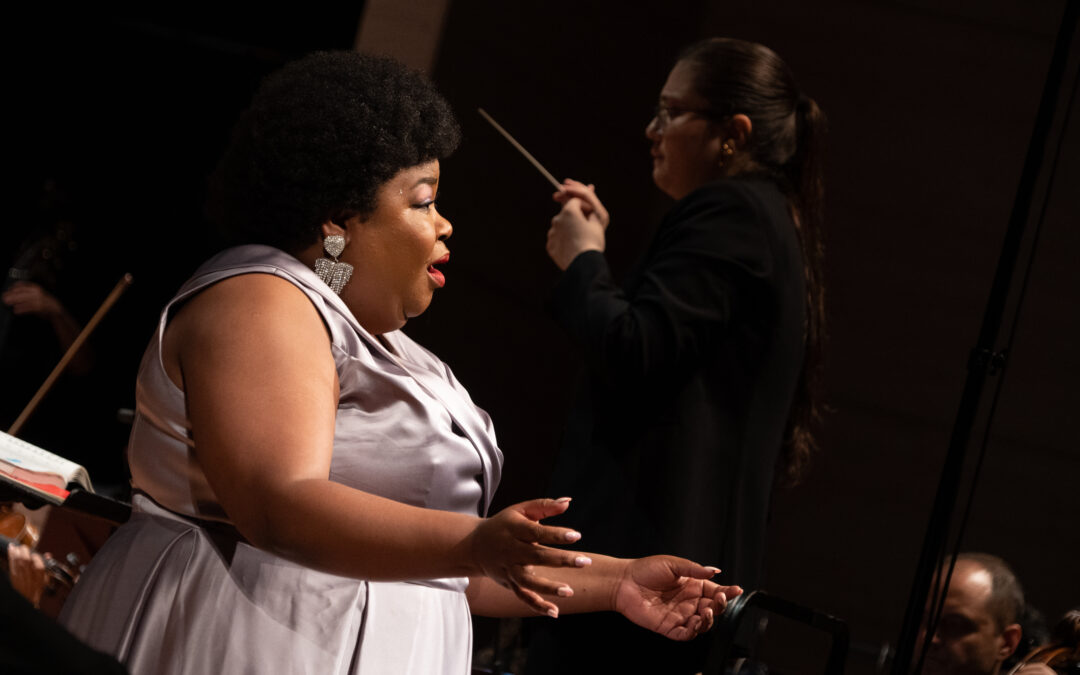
[[671, 596], [509, 546], [579, 226]]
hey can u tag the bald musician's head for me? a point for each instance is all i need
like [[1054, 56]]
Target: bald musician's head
[[978, 628]]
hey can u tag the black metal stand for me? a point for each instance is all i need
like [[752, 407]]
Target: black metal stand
[[755, 604], [984, 359]]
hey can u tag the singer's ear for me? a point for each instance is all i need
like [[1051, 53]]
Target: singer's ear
[[330, 228]]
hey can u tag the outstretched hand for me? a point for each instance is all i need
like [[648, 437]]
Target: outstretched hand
[[508, 545], [671, 596]]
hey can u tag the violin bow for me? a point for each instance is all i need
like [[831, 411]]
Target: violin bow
[[117, 291]]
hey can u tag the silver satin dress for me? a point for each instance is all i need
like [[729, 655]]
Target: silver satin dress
[[177, 591]]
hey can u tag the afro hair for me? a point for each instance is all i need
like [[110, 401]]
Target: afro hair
[[321, 135]]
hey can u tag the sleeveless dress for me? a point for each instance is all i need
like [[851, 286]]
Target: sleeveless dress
[[177, 591]]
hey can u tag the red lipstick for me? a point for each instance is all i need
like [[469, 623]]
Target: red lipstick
[[436, 274]]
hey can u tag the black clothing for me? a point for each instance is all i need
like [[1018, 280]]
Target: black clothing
[[31, 643], [692, 371]]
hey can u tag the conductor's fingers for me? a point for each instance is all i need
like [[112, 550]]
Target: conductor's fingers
[[587, 194]]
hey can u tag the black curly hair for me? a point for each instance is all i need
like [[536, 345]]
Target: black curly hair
[[321, 135]]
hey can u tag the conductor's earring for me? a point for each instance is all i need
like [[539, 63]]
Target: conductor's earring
[[726, 150], [334, 272]]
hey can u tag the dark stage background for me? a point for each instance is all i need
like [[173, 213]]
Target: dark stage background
[[931, 107]]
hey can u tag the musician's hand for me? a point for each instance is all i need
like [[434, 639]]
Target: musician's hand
[[25, 297], [579, 226], [671, 596], [27, 570], [512, 546]]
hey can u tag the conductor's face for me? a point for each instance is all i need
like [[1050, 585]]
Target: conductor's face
[[686, 141]]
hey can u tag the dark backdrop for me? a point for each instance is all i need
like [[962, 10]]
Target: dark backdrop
[[931, 106]]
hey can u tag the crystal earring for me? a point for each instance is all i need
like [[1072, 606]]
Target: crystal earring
[[333, 272]]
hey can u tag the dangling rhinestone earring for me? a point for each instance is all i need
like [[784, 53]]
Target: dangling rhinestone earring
[[333, 272]]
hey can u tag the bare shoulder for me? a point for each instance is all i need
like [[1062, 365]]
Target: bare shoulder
[[260, 385], [244, 317]]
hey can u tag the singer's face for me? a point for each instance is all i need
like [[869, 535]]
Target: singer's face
[[396, 250], [685, 141]]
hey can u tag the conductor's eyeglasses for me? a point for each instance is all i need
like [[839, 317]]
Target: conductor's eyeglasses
[[664, 113]]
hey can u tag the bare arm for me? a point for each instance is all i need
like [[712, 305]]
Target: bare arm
[[591, 590], [253, 357], [668, 595]]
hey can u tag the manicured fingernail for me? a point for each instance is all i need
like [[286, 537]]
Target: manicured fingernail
[[553, 612], [714, 570], [573, 536], [565, 591], [582, 561], [708, 614], [562, 500]]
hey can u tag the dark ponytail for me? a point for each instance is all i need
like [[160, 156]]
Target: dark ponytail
[[805, 174], [786, 144]]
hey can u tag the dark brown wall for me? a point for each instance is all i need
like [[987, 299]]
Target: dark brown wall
[[931, 108]]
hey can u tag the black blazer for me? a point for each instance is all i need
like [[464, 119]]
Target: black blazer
[[692, 368]]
